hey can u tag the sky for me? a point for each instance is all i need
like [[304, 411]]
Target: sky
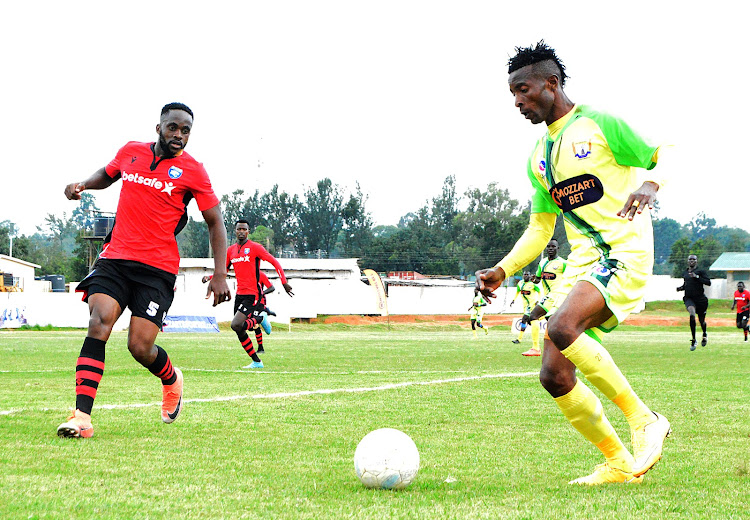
[[392, 95]]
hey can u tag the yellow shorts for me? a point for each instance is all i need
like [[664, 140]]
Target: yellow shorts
[[477, 315], [548, 303], [623, 288]]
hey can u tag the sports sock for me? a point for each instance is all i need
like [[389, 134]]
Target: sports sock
[[520, 333], [692, 326], [89, 371], [593, 360], [251, 322], [247, 344], [162, 367], [535, 334], [473, 324], [584, 411], [703, 324], [259, 337]]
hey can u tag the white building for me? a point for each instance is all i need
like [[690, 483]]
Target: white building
[[22, 271]]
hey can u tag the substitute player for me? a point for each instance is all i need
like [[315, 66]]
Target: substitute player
[[530, 294], [478, 303], [585, 167], [138, 265], [742, 304], [548, 274]]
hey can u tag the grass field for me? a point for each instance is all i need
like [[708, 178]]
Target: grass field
[[278, 443]]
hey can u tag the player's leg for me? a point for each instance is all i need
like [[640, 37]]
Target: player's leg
[[522, 328], [103, 313], [745, 319], [259, 340], [536, 313], [571, 347], [690, 306], [480, 316], [242, 322], [701, 311]]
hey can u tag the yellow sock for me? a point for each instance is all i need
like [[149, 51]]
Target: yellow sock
[[584, 411], [593, 360], [535, 334], [520, 334]]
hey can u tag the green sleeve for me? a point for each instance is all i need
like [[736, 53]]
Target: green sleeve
[[628, 148], [539, 270], [541, 200]]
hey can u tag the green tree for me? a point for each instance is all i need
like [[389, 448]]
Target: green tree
[[357, 224], [283, 218], [83, 215], [320, 217], [193, 240], [678, 256]]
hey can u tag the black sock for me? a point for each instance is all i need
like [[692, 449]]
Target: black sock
[[89, 371], [692, 326], [162, 367]]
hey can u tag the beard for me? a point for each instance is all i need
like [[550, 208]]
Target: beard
[[164, 145]]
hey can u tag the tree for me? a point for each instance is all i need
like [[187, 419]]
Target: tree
[[320, 217], [701, 226], [193, 240], [83, 214], [666, 232], [678, 256], [283, 218], [7, 230], [357, 224], [235, 208]]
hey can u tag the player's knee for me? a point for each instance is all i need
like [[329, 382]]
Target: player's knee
[[561, 332], [141, 351], [556, 382], [238, 325]]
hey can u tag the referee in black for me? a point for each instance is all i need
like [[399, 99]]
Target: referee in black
[[695, 299]]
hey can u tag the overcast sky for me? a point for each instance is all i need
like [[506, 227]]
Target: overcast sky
[[395, 95]]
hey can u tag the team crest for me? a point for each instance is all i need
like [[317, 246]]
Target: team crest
[[174, 172], [542, 166], [247, 250], [582, 149], [602, 271]]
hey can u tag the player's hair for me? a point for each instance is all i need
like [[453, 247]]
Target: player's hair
[[242, 221], [542, 56], [553, 238], [177, 106]]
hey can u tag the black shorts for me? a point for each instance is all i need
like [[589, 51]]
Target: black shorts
[[700, 304], [247, 304], [147, 291], [742, 318]]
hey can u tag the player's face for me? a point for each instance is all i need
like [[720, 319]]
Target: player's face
[[552, 249], [740, 286], [692, 261], [174, 131], [534, 96], [526, 276], [241, 230]]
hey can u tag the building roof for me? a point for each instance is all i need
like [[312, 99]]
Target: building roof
[[731, 262], [19, 261]]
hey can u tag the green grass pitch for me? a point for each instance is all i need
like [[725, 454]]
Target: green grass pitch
[[279, 442]]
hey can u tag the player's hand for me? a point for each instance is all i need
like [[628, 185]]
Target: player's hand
[[218, 286], [639, 199], [488, 280], [73, 190], [288, 289]]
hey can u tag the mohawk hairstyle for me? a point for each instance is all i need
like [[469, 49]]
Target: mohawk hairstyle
[[177, 106], [536, 54]]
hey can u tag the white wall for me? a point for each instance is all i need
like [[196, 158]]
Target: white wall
[[311, 298]]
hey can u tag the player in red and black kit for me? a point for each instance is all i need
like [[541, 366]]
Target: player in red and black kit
[[742, 304], [244, 257], [695, 300], [266, 287], [138, 265]]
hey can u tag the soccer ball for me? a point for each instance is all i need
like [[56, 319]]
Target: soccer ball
[[386, 459]]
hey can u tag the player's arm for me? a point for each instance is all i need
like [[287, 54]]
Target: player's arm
[[703, 276], [734, 304], [529, 246], [217, 235], [269, 289], [98, 181], [268, 257]]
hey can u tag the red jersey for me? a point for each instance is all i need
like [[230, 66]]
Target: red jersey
[[742, 299], [246, 259], [153, 204], [264, 283]]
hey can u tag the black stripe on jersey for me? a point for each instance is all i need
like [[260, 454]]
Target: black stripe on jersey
[[184, 218]]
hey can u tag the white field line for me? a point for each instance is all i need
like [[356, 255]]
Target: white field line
[[325, 391]]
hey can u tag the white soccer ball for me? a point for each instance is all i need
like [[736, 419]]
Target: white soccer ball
[[386, 459]]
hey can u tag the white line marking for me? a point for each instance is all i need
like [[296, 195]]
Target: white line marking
[[284, 395]]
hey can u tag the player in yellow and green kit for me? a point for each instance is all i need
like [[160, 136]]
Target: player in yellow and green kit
[[585, 166], [548, 274], [477, 312], [530, 294]]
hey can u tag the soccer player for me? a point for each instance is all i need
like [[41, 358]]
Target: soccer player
[[548, 273], [477, 313], [244, 257], [695, 299], [138, 265], [742, 304], [585, 167], [529, 292]]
